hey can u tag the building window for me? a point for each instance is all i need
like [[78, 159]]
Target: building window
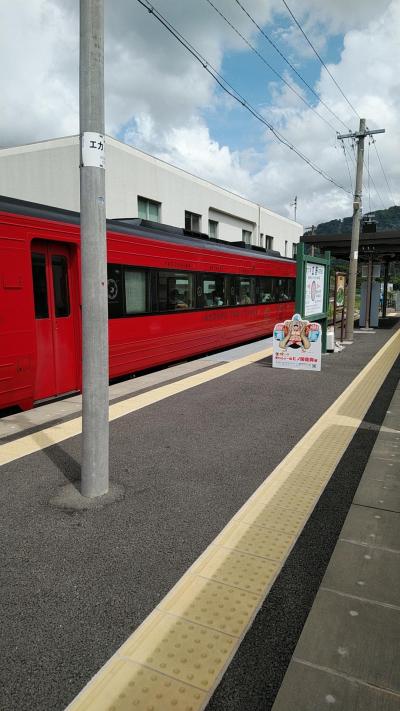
[[213, 229], [261, 239], [246, 236], [269, 242], [149, 209], [192, 221], [294, 251], [286, 247]]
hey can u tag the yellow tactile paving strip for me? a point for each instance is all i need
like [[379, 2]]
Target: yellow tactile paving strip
[[58, 433], [176, 658]]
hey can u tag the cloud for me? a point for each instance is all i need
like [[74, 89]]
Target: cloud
[[160, 100]]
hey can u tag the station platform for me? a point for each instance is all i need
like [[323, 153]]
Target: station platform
[[241, 564]]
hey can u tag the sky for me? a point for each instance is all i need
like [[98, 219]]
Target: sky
[[159, 99]]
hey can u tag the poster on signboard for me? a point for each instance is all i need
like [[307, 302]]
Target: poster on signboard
[[297, 344], [314, 289]]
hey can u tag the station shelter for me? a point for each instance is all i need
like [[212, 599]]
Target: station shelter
[[376, 252]]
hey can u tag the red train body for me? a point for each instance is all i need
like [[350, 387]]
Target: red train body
[[40, 322]]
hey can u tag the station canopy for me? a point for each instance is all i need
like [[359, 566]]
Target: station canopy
[[381, 246]]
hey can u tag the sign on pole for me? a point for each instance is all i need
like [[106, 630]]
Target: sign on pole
[[297, 344], [312, 289]]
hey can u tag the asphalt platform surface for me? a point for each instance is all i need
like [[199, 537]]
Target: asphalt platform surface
[[76, 584]]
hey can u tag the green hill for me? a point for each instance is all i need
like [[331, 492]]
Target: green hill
[[385, 220]]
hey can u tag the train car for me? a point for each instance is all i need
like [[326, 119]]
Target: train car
[[172, 295]]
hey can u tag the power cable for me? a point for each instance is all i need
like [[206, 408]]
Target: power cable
[[319, 57], [272, 43], [384, 174], [255, 50], [373, 183], [347, 163], [223, 83]]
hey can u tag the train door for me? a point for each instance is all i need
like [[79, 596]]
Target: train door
[[56, 319]]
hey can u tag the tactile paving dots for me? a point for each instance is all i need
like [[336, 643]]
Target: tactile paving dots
[[242, 570], [126, 686], [264, 542], [210, 603], [293, 497], [276, 517], [181, 649]]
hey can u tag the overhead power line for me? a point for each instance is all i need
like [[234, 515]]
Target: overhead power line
[[383, 171], [347, 163], [285, 59], [319, 57], [231, 91], [255, 50], [373, 183]]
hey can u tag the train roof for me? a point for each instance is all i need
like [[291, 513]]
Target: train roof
[[140, 227]]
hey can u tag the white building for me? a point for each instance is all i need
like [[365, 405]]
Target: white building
[[139, 185]]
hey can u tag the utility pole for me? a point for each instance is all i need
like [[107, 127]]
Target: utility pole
[[95, 428], [294, 204], [355, 232]]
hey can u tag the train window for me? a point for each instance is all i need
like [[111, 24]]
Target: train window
[[242, 290], [291, 289], [115, 291], [211, 291], [135, 292], [59, 266], [264, 290], [175, 291], [40, 286], [281, 289]]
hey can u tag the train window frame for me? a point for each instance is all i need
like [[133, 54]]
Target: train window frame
[[115, 288], [39, 312], [128, 269], [61, 295], [200, 296], [281, 289], [236, 288], [181, 306], [259, 288], [231, 285]]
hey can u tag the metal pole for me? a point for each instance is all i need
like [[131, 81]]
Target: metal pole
[[334, 305], [95, 429], [342, 319], [385, 285], [355, 234], [369, 291]]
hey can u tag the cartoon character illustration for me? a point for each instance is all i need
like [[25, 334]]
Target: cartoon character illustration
[[295, 334]]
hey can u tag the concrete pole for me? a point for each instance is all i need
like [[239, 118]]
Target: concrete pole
[[369, 292], [95, 429], [355, 234], [385, 286]]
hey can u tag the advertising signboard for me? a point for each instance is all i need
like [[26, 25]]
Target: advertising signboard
[[297, 345], [339, 290], [314, 289]]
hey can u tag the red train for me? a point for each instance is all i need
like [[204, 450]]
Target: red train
[[172, 295]]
